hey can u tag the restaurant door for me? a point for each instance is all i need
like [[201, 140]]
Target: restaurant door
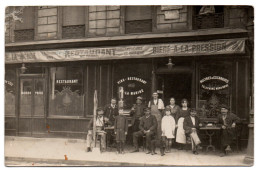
[[175, 85], [31, 105]]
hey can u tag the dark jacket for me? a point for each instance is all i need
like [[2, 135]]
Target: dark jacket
[[149, 123], [175, 112], [188, 125], [230, 119], [134, 115], [111, 113], [121, 126]]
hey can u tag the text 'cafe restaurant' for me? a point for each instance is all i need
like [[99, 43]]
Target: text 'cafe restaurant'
[[49, 92]]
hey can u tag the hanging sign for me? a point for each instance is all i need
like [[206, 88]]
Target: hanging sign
[[130, 85], [214, 83], [214, 47]]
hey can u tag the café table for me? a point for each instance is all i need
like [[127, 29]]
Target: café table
[[210, 131]]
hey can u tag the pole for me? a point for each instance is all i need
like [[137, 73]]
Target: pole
[[94, 117]]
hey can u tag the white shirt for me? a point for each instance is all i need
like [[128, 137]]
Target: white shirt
[[100, 121], [160, 103], [193, 120]]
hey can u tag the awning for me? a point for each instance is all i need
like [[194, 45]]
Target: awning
[[213, 47]]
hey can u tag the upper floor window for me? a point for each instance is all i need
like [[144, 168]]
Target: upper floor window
[[138, 19], [24, 29], [208, 17], [73, 25]]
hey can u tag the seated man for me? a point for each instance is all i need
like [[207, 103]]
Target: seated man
[[100, 123], [191, 126], [148, 127], [227, 121]]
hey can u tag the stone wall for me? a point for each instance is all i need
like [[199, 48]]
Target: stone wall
[[172, 18], [104, 20], [47, 22]]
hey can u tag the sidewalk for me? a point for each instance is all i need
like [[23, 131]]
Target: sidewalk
[[52, 150]]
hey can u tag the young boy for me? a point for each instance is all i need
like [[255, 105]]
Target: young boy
[[121, 127]]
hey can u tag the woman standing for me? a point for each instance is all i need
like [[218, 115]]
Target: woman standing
[[184, 112], [175, 109]]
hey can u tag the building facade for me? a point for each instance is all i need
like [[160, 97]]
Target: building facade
[[58, 55]]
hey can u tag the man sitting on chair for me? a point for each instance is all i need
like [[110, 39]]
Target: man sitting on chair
[[101, 121], [191, 126], [227, 121], [148, 127]]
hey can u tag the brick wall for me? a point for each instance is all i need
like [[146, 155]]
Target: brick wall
[[174, 18], [47, 22], [104, 20]]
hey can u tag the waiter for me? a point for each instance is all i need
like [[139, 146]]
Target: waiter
[[157, 107]]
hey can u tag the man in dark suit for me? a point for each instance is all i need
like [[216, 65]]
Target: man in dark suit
[[148, 127], [111, 111], [191, 126], [227, 121]]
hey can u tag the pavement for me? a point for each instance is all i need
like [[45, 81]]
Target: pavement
[[27, 151]]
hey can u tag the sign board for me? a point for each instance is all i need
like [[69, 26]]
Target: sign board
[[213, 47]]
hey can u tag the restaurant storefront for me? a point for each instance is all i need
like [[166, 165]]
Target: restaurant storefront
[[49, 93]]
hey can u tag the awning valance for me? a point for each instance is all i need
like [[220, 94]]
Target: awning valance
[[213, 47]]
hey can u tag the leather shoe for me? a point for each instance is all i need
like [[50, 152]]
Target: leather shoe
[[195, 153], [148, 152]]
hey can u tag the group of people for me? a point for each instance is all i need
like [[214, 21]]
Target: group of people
[[158, 125]]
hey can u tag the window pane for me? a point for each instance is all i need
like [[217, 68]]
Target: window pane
[[66, 94], [39, 97], [27, 18], [138, 13], [26, 97], [10, 94], [73, 15], [214, 88]]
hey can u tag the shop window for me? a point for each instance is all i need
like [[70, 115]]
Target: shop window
[[215, 88], [132, 80], [73, 24], [138, 19], [66, 93], [10, 85], [24, 29], [208, 17]]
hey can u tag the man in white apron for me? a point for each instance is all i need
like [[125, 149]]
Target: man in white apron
[[157, 107]]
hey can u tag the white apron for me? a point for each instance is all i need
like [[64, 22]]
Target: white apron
[[180, 136]]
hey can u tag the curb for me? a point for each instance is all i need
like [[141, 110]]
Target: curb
[[57, 162]]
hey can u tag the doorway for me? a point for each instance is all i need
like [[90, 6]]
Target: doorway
[[175, 85], [31, 105]]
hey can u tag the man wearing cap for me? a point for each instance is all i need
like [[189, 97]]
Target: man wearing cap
[[100, 122], [157, 107], [227, 121], [137, 112], [147, 126], [191, 126]]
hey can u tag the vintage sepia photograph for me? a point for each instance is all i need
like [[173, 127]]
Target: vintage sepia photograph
[[129, 85]]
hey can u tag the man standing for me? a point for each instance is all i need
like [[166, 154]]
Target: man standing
[[157, 107], [191, 126], [111, 111], [227, 121], [148, 126], [137, 113]]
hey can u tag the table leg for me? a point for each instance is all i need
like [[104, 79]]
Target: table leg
[[210, 140]]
